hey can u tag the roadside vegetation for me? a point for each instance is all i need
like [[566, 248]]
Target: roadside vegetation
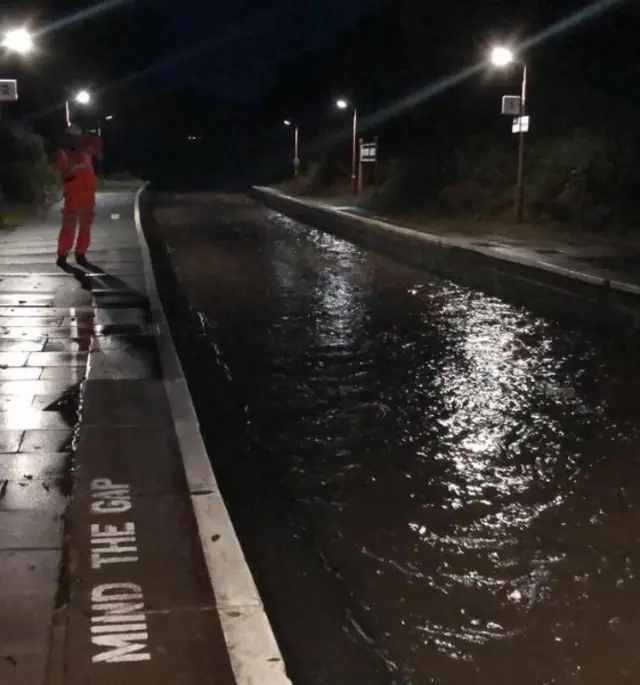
[[583, 180], [29, 181]]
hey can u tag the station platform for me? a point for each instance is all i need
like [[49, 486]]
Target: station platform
[[118, 563]]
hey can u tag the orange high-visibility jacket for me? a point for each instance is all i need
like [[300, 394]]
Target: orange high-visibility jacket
[[76, 166]]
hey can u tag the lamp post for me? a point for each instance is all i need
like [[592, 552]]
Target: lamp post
[[343, 104], [20, 42], [82, 97], [502, 57], [296, 146]]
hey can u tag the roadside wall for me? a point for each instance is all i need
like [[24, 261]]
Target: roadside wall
[[594, 305]]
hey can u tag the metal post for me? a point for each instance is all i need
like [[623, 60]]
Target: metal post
[[360, 142], [354, 154], [2, 217], [67, 113], [296, 150], [521, 134], [375, 167]]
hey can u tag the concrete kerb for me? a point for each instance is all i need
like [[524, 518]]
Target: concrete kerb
[[590, 279], [254, 652]]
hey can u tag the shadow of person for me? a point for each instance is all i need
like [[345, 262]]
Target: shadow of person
[[111, 295], [100, 280], [80, 275]]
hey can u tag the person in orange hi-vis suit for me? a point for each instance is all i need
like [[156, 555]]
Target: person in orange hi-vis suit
[[74, 161]]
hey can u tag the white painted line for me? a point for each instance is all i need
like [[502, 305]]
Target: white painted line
[[254, 652], [582, 276]]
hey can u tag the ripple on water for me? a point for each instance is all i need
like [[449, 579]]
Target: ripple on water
[[469, 468]]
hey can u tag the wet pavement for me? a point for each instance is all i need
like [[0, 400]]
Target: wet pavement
[[463, 471], [588, 255], [102, 576]]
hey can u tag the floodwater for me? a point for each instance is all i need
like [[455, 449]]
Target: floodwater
[[470, 470]]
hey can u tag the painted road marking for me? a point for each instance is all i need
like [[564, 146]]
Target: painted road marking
[[108, 498], [118, 622]]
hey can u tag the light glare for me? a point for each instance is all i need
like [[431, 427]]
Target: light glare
[[501, 56], [342, 104], [83, 97], [18, 40]]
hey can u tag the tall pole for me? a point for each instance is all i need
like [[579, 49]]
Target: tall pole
[[360, 142], [67, 113], [2, 218], [521, 134], [296, 150], [354, 154]]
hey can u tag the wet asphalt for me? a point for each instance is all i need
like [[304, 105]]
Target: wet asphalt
[[431, 485]]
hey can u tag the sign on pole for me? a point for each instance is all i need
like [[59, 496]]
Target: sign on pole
[[511, 105], [8, 90], [368, 152], [520, 125]]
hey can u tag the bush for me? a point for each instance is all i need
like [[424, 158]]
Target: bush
[[583, 177], [26, 174]]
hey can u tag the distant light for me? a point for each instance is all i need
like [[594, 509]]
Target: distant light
[[342, 104], [18, 40], [109, 118], [83, 97], [287, 122], [501, 56]]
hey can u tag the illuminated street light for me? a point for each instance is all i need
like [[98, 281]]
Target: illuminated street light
[[501, 56], [341, 103], [83, 97], [19, 41], [296, 146]]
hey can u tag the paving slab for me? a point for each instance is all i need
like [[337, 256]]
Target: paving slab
[[23, 669], [94, 502], [180, 647], [146, 459], [141, 403], [29, 467]]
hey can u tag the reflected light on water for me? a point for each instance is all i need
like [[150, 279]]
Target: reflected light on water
[[455, 460]]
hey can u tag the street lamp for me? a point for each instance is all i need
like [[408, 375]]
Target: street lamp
[[19, 41], [82, 97], [296, 146], [502, 57], [341, 103]]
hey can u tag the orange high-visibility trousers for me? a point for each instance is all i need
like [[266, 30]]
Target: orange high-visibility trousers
[[78, 213]]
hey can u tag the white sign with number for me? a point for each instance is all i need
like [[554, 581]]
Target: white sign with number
[[8, 90], [511, 105], [520, 125]]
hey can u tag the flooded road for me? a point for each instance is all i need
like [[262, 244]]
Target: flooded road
[[469, 471]]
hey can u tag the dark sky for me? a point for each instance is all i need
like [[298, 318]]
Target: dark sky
[[248, 37]]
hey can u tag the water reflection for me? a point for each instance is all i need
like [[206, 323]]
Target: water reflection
[[465, 466]]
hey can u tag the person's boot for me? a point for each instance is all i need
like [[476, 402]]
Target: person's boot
[[81, 260], [61, 261]]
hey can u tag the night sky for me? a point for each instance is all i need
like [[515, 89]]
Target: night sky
[[248, 37]]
